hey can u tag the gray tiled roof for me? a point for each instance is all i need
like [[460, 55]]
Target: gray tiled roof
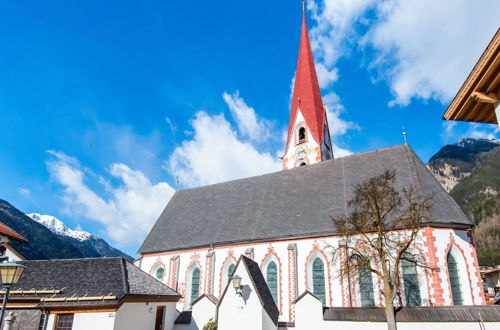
[[89, 277], [416, 314], [293, 203]]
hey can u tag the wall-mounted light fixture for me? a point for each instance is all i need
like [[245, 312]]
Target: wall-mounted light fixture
[[236, 280]]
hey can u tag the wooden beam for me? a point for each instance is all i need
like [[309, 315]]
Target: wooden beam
[[485, 98]]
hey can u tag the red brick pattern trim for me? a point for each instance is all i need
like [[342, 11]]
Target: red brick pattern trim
[[344, 282], [292, 282], [230, 256], [172, 272], [270, 252], [209, 265], [436, 296], [448, 248], [476, 268], [317, 249]]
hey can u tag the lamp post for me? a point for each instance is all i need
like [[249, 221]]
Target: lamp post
[[10, 273]]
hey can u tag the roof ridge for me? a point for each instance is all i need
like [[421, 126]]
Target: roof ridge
[[300, 168], [126, 285]]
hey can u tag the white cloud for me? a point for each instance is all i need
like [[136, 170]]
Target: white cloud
[[454, 131], [248, 122], [25, 192], [129, 211], [215, 154], [171, 125], [426, 48], [422, 48]]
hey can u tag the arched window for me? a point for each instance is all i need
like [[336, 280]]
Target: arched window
[[410, 282], [272, 280], [230, 271], [366, 287], [318, 279], [302, 164], [302, 134], [195, 284], [160, 272], [456, 287]]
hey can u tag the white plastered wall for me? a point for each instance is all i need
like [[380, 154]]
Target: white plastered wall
[[243, 312], [133, 316], [306, 248]]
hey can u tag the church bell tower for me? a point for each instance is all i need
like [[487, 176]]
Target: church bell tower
[[308, 140]]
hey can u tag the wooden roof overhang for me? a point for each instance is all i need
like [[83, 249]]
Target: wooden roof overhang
[[479, 93]]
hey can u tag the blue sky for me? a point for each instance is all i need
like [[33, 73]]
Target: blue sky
[[104, 104]]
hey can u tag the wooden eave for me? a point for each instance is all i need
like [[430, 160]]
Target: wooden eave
[[473, 102]]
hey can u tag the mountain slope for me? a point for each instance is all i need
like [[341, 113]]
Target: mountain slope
[[470, 171], [45, 244], [87, 243]]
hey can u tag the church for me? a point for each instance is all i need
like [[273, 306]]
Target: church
[[282, 223]]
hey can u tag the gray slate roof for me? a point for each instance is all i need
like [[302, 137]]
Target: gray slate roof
[[88, 277], [416, 314], [294, 203]]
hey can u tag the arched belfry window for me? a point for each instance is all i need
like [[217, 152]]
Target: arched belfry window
[[318, 279], [454, 275], [272, 280], [195, 284], [230, 271], [410, 282], [366, 287], [302, 134]]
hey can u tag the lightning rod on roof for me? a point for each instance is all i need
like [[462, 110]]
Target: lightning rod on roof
[[404, 135]]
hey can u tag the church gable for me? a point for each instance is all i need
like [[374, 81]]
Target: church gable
[[289, 204]]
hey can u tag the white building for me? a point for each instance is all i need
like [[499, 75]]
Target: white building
[[93, 293], [282, 221]]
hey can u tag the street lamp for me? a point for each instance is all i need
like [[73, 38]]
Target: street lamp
[[236, 280], [9, 273]]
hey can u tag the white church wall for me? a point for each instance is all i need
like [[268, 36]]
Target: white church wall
[[288, 270], [243, 312]]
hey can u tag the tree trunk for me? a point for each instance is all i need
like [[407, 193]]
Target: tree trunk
[[390, 316]]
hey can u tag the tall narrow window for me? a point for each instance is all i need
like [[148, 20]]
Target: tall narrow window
[[195, 284], [410, 282], [272, 280], [456, 288], [318, 277], [366, 287], [302, 134], [230, 271], [64, 322], [42, 324]]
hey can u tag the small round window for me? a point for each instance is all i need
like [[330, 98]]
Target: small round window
[[159, 273]]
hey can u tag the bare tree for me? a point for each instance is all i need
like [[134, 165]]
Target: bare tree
[[379, 233]]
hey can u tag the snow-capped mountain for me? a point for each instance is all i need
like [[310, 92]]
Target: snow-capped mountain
[[57, 226]]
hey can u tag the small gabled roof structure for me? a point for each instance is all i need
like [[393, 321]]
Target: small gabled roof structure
[[260, 285], [87, 282], [11, 233]]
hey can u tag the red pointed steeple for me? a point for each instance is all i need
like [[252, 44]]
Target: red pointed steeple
[[306, 92]]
